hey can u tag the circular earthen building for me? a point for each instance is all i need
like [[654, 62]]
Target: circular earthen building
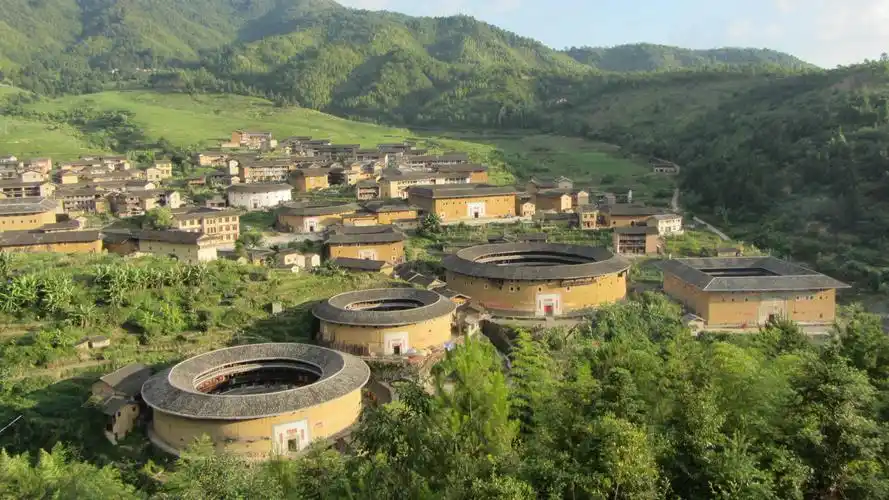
[[256, 400], [386, 321], [537, 280]]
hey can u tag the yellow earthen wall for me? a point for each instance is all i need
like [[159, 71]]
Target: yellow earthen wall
[[27, 221], [388, 217], [390, 252], [737, 309], [253, 438], [522, 295], [455, 209], [625, 220], [80, 247], [433, 333]]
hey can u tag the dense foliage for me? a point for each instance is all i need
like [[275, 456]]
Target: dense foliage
[[629, 406]]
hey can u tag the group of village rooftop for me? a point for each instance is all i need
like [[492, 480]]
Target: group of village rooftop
[[42, 205]]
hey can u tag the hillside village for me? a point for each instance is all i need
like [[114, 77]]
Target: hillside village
[[342, 207]]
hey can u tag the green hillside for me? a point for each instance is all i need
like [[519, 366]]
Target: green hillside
[[651, 57]]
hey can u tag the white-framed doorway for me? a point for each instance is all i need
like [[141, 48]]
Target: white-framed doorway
[[549, 304], [367, 254], [290, 437], [395, 343], [475, 210]]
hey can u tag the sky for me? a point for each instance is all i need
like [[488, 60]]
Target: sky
[[822, 32]]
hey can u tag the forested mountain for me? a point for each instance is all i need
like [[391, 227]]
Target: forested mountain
[[651, 57]]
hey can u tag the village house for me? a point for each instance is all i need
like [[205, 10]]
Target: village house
[[454, 203], [131, 203], [251, 140], [211, 159], [26, 213], [216, 201], [335, 151], [116, 162], [561, 183], [432, 161], [222, 226], [382, 242], [478, 174], [622, 215], [296, 260], [258, 196], [313, 217], [65, 177], [636, 240], [524, 206], [184, 246], [555, 200], [18, 189], [161, 170], [37, 240], [391, 211], [746, 292], [120, 396], [360, 218], [588, 217], [367, 190], [43, 165], [371, 155], [267, 171], [666, 224], [395, 183], [660, 166], [423, 281], [310, 179], [363, 265]]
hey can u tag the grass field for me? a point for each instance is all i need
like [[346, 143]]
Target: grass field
[[199, 121]]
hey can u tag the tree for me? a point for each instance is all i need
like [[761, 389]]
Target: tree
[[158, 219], [251, 239], [430, 224]]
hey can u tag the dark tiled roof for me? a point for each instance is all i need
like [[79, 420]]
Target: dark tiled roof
[[447, 292], [423, 280], [172, 236], [29, 238], [630, 210], [65, 225], [173, 391], [258, 188], [15, 184], [311, 209], [383, 206], [29, 205], [369, 238], [113, 404], [593, 261], [463, 167], [532, 237], [553, 193], [443, 157], [379, 228], [460, 190], [202, 212], [337, 309], [636, 230], [367, 184], [312, 172], [398, 175], [359, 264], [127, 380], [788, 276]]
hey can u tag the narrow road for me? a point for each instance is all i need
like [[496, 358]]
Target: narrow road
[[674, 203], [712, 229]]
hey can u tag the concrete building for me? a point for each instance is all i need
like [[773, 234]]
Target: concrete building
[[77, 200], [478, 174], [313, 217], [257, 400], [26, 213], [17, 189], [251, 140], [222, 226], [386, 321], [367, 190], [383, 243], [395, 183], [636, 240], [51, 241], [588, 217], [666, 224], [297, 260], [745, 292], [537, 280], [131, 203], [185, 246], [258, 196], [464, 202]]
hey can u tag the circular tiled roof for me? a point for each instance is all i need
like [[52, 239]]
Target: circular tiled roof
[[340, 308], [173, 391], [504, 261]]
